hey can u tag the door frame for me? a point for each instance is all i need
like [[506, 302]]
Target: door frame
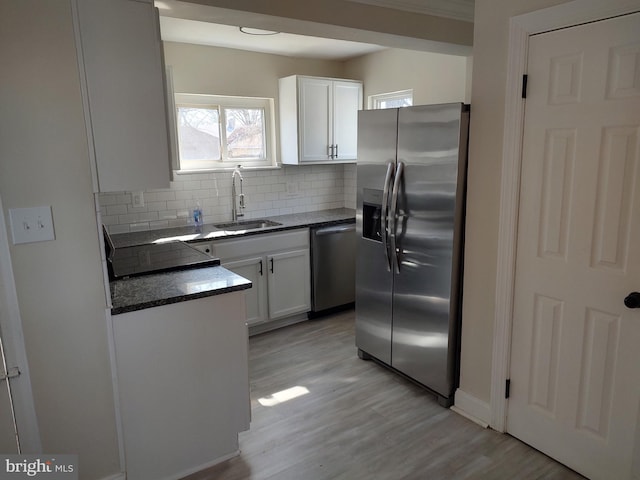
[[521, 27], [11, 324]]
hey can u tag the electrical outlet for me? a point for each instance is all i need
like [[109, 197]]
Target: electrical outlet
[[138, 199], [33, 224]]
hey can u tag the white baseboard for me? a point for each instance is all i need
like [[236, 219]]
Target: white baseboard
[[117, 476], [472, 408], [269, 325]]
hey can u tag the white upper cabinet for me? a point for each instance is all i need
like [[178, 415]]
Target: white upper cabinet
[[122, 74], [319, 119]]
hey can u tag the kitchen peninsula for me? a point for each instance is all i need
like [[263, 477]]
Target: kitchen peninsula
[[180, 352]]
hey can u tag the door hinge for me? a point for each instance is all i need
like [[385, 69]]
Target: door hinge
[[525, 79], [11, 373], [507, 388]]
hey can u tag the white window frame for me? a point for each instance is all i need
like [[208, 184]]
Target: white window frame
[[221, 102], [374, 101]]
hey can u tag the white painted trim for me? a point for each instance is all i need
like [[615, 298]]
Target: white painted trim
[[472, 408], [86, 110], [520, 29], [11, 326], [508, 223], [116, 391], [110, 339]]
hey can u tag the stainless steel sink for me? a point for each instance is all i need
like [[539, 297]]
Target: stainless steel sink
[[247, 225]]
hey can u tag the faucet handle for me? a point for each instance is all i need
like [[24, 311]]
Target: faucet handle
[[241, 200]]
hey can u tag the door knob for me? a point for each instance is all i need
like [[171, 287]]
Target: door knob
[[632, 300]]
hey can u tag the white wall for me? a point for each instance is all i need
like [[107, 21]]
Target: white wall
[[291, 189], [44, 161], [434, 78], [483, 194]]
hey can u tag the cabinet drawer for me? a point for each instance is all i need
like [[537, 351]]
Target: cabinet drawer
[[260, 244]]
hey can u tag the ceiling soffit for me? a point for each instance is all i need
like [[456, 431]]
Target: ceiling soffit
[[455, 9]]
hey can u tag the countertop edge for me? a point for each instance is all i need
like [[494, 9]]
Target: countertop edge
[[178, 299]]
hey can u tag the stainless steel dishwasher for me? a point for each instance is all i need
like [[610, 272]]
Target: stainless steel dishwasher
[[333, 263]]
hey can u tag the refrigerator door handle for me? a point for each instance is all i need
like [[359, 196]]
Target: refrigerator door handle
[[384, 216], [394, 217]]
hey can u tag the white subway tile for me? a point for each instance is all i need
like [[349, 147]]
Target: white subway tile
[[114, 229], [148, 216], [158, 224], [128, 218], [117, 210], [176, 204], [110, 219], [139, 227]]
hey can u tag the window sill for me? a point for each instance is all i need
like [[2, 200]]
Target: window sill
[[226, 169]]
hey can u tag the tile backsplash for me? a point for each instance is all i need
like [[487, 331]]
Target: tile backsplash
[[290, 189]]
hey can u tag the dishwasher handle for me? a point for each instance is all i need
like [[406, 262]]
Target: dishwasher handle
[[318, 232]]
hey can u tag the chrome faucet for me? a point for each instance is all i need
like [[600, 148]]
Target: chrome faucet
[[234, 206]]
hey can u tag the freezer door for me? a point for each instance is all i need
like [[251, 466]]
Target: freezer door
[[428, 237], [374, 282]]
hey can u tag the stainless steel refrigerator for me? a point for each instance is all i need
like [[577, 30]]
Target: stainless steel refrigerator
[[411, 177]]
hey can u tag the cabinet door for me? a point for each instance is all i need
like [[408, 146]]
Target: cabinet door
[[252, 269], [314, 119], [122, 68], [289, 283], [347, 100]]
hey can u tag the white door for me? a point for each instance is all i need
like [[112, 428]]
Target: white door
[[575, 361], [347, 100], [252, 269], [289, 283], [315, 119]]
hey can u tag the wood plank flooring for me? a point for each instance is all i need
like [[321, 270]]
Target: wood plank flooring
[[359, 420]]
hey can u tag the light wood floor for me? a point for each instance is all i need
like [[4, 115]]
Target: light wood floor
[[359, 420]]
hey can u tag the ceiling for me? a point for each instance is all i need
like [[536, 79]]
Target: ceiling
[[188, 30], [205, 33]]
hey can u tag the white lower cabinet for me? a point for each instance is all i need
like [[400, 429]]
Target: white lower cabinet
[[256, 297], [278, 265], [183, 383], [289, 283]]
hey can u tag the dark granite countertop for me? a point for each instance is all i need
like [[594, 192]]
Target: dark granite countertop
[[210, 232], [137, 293]]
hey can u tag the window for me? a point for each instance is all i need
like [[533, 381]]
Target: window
[[403, 98], [217, 132]]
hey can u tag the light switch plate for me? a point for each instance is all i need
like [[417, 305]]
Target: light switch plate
[[33, 224]]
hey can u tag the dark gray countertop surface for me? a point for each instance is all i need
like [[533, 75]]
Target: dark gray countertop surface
[[137, 293], [210, 232]]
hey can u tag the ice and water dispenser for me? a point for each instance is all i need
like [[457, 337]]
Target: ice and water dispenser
[[372, 214]]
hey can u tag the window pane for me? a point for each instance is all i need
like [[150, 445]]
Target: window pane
[[198, 135], [391, 99], [395, 103], [245, 133]]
